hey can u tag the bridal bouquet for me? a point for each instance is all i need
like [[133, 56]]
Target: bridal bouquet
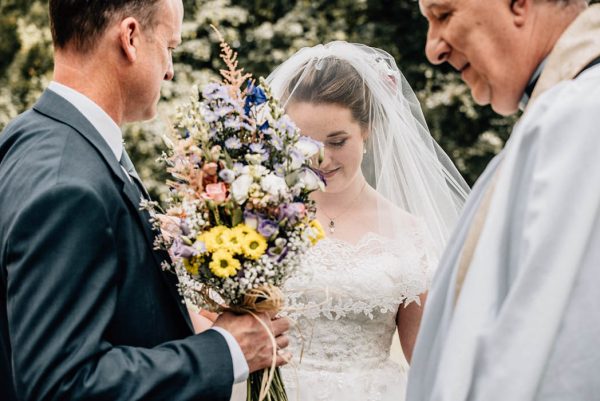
[[238, 218]]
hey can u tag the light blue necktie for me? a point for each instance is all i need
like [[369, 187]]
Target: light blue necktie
[[130, 168]]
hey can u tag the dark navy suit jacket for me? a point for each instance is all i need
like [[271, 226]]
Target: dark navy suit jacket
[[86, 313]]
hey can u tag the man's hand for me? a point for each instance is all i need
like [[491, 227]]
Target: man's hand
[[254, 339]]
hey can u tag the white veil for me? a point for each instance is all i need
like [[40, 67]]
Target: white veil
[[403, 162]]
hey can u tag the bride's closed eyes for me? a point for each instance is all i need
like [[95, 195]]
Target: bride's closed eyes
[[337, 143], [336, 139]]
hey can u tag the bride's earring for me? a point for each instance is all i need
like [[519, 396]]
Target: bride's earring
[[364, 147]]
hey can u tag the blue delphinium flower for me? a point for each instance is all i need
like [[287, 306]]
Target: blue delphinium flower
[[255, 96], [264, 127]]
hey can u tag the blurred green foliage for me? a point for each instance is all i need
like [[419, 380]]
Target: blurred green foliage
[[265, 33]]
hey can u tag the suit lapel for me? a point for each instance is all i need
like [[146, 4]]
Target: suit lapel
[[57, 108], [134, 196]]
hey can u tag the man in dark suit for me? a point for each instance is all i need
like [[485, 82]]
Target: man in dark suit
[[85, 310]]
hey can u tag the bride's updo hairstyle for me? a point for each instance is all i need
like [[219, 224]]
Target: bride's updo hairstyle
[[332, 81]]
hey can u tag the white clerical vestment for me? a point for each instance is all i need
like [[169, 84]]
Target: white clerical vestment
[[526, 325]]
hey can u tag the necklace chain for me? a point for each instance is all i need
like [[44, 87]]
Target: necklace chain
[[331, 224]]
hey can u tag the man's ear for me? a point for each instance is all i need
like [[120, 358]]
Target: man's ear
[[520, 10], [130, 38]]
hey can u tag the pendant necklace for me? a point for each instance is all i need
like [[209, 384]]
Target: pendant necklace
[[331, 224]]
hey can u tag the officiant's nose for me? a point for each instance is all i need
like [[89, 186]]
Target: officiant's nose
[[170, 72], [437, 50]]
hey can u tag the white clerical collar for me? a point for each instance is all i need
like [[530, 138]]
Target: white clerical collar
[[104, 124]]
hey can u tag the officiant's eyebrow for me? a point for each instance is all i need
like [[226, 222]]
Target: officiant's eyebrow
[[430, 5]]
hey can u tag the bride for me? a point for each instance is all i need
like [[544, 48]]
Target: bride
[[391, 199]]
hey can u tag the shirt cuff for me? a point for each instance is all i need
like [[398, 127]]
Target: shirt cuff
[[240, 366]]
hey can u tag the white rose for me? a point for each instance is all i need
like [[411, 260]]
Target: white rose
[[240, 188], [308, 147], [273, 185], [310, 180]]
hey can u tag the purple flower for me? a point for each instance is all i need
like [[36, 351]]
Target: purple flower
[[215, 91], [233, 143], [286, 126], [222, 111], [199, 246], [279, 169], [232, 123], [276, 142], [247, 126], [257, 148], [227, 175], [251, 219], [209, 115], [180, 250], [292, 211], [267, 228], [278, 252], [185, 229]]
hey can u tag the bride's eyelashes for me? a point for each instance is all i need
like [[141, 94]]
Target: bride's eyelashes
[[337, 144]]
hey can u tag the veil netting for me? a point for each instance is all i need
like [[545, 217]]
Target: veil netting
[[403, 163]]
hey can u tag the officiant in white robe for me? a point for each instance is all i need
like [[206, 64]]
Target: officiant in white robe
[[514, 311]]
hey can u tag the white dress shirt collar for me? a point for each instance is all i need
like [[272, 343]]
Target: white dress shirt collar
[[104, 124]]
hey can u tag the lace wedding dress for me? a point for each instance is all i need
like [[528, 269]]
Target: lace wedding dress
[[344, 300]]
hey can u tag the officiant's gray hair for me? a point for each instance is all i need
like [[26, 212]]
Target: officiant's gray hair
[[80, 25]]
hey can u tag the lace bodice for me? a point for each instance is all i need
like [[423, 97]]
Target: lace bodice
[[344, 300], [345, 297]]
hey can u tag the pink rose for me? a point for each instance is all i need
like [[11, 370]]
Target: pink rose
[[216, 192]]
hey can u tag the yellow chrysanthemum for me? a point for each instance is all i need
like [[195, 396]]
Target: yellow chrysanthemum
[[254, 245], [317, 232], [223, 264], [213, 238], [242, 230], [232, 241], [192, 265]]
